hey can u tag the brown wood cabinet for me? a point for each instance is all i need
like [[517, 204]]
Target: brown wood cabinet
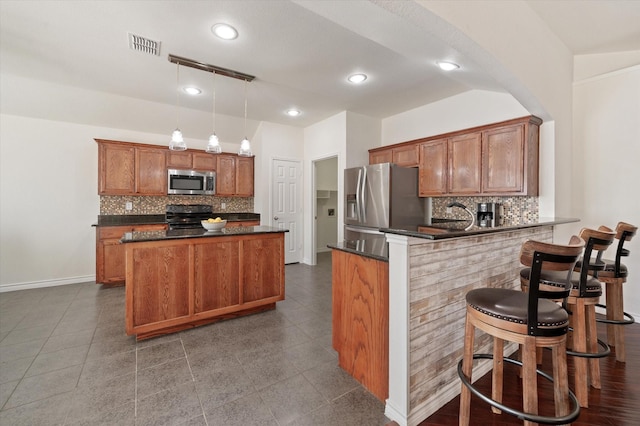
[[464, 164], [495, 159], [126, 168], [360, 297], [434, 168], [110, 253], [191, 160], [130, 169], [234, 175], [177, 284], [404, 156]]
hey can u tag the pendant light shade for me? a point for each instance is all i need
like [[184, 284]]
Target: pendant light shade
[[245, 145], [213, 147], [177, 141]]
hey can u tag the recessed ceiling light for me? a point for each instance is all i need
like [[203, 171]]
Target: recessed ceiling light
[[447, 66], [192, 90], [293, 112], [225, 31], [357, 78]]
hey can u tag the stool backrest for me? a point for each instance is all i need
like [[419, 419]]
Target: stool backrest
[[624, 232], [596, 240], [541, 256]]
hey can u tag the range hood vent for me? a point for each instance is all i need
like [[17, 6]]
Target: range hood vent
[[144, 45]]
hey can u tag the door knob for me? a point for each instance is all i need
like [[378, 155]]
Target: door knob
[[275, 218]]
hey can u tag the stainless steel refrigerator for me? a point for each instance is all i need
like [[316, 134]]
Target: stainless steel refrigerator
[[380, 196]]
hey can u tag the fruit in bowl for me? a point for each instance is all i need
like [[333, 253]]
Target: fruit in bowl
[[214, 224]]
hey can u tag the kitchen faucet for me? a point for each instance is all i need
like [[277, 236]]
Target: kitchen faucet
[[462, 206]]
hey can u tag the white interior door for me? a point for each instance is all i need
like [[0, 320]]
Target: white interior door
[[286, 206]]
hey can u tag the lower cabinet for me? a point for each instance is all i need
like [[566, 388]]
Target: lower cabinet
[[110, 257], [360, 293], [172, 285], [243, 223]]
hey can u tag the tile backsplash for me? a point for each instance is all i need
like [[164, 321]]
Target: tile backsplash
[[517, 209], [115, 204]]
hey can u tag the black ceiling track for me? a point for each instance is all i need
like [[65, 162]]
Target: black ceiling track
[[210, 68]]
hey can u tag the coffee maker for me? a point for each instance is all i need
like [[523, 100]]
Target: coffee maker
[[489, 214]]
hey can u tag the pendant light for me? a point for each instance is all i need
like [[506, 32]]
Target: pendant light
[[177, 141], [213, 147], [245, 145]]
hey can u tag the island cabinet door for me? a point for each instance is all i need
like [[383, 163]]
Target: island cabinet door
[[361, 319], [161, 290], [216, 277], [261, 276]]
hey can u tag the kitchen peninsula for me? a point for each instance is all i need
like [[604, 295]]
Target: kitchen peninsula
[[430, 270], [178, 279]]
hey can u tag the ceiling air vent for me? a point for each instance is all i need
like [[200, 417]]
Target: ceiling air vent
[[144, 45]]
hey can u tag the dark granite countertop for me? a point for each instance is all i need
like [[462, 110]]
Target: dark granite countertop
[[132, 237], [443, 230], [439, 229], [148, 219], [362, 248]]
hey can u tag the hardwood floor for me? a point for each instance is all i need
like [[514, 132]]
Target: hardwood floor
[[617, 403]]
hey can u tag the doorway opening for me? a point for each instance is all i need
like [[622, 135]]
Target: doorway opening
[[325, 205]]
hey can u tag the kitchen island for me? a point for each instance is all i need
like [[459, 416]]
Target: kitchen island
[[178, 279], [430, 270]]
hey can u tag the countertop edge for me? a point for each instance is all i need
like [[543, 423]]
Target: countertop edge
[[479, 231], [154, 236], [339, 246], [159, 219]]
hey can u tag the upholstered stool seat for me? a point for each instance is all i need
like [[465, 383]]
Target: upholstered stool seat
[[531, 320]]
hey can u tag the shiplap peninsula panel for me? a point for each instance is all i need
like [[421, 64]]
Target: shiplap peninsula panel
[[441, 272]]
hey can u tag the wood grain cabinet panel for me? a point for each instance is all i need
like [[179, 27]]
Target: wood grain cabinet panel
[[226, 174], [116, 164], [203, 161], [151, 174], [191, 160], [434, 168], [464, 164], [161, 292], [261, 277], [361, 319], [244, 176], [384, 156], [406, 156], [216, 275], [503, 159]]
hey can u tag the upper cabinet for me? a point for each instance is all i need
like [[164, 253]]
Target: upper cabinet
[[234, 175], [464, 164], [126, 168], [405, 156], [191, 160], [497, 159]]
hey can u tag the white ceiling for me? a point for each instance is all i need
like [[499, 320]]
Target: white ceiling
[[300, 51]]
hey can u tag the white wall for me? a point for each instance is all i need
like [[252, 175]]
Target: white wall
[[607, 149], [363, 133], [469, 109]]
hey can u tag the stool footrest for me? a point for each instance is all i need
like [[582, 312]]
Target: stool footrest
[[600, 354], [569, 418], [629, 320]]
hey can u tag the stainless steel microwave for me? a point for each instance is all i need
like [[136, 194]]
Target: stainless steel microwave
[[191, 182]]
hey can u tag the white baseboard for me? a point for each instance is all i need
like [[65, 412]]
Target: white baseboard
[[46, 283]]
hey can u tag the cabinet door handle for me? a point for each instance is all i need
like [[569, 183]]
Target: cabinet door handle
[[275, 218]]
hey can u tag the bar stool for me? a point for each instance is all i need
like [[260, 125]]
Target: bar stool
[[614, 275], [531, 320], [583, 297]]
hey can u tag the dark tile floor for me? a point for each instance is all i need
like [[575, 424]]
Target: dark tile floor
[[66, 360]]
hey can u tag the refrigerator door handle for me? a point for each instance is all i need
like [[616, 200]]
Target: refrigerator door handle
[[358, 199], [363, 201]]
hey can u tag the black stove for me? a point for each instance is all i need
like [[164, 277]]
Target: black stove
[[187, 216]]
